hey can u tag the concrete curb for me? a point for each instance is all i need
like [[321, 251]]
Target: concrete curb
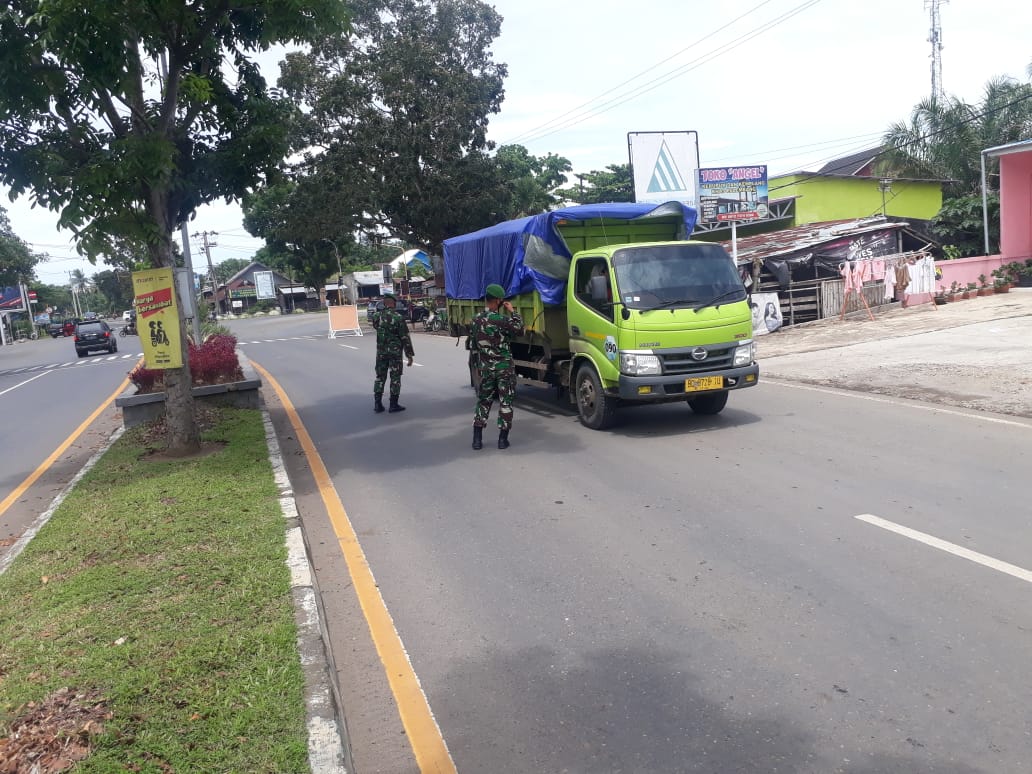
[[7, 559], [328, 752]]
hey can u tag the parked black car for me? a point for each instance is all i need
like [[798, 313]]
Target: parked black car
[[95, 334]]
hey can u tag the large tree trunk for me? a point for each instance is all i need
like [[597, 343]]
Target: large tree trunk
[[183, 438]]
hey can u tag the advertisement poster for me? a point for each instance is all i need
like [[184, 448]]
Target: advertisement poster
[[11, 300], [733, 194], [157, 318], [664, 166], [264, 284], [766, 313]]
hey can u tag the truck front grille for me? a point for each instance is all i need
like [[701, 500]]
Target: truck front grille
[[683, 363]]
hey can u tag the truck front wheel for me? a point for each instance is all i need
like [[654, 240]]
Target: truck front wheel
[[713, 403], [596, 409]]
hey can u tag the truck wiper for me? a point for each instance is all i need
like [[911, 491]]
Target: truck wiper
[[667, 304], [721, 297]]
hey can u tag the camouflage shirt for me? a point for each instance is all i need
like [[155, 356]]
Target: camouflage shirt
[[392, 334], [491, 335]]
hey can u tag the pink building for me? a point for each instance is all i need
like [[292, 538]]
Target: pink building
[[1015, 199]]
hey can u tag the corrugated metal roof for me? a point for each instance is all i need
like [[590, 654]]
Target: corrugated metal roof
[[793, 240]]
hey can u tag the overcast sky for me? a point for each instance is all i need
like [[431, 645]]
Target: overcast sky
[[787, 83]]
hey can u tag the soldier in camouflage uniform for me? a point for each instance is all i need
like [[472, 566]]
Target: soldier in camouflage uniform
[[491, 334], [392, 338]]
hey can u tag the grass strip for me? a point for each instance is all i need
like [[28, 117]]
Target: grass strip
[[161, 587]]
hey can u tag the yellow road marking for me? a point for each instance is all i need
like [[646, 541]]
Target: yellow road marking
[[43, 466], [422, 730]]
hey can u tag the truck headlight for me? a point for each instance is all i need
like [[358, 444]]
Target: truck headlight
[[745, 354], [634, 364]]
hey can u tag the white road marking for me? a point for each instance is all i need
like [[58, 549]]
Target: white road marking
[[950, 548], [15, 387], [896, 401], [347, 346]]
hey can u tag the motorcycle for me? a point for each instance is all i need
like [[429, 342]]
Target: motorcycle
[[433, 322], [129, 329]]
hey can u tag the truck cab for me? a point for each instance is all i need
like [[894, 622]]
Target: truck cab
[[657, 322]]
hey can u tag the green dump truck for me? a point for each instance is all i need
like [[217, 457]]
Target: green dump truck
[[620, 307]]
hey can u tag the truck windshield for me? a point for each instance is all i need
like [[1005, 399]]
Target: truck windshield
[[670, 276]]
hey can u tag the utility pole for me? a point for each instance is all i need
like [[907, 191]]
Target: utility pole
[[195, 308], [935, 38], [211, 267]]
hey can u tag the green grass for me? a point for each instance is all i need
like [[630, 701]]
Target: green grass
[[183, 562]]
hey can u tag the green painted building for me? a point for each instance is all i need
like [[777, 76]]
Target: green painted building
[[821, 197]]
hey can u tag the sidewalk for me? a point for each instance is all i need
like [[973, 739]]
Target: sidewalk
[[974, 354]]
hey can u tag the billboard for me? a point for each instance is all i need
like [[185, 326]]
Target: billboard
[[266, 288], [664, 166], [11, 300], [728, 194]]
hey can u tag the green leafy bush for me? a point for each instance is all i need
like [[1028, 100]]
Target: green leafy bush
[[214, 362]]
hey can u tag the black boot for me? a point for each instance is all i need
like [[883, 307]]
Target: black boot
[[378, 404], [394, 406], [503, 439], [478, 437]]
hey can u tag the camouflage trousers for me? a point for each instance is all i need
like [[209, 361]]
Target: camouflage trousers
[[385, 363], [502, 383]]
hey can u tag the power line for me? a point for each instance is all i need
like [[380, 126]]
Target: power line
[[671, 75], [973, 117], [635, 77]]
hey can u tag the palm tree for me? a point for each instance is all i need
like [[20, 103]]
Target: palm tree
[[945, 139]]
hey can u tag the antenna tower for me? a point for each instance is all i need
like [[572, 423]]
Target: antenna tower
[[935, 38]]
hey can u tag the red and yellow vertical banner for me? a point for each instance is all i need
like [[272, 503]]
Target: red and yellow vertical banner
[[157, 318]]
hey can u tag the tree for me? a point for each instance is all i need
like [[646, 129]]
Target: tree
[[613, 184], [944, 139], [124, 117], [394, 127], [229, 267], [530, 181], [116, 287], [17, 262]]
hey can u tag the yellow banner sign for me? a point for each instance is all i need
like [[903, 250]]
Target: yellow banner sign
[[158, 318]]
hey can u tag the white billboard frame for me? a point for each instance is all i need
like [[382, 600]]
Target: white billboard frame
[[665, 166]]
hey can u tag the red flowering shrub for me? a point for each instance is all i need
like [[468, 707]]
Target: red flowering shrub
[[214, 362]]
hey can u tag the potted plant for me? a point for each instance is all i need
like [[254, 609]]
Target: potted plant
[[954, 292], [971, 290], [1000, 284], [940, 296], [983, 287], [1025, 274]]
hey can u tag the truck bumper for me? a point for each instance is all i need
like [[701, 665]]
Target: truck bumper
[[649, 389]]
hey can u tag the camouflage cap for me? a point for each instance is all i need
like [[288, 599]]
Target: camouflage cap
[[495, 291]]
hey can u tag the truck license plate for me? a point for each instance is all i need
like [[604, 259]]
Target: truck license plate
[[703, 383]]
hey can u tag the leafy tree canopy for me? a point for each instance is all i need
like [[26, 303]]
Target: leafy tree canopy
[[393, 128], [125, 116], [945, 138], [613, 184], [17, 262]]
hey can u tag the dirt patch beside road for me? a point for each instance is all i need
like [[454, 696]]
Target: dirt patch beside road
[[974, 354]]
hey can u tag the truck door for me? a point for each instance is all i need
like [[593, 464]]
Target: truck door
[[592, 321]]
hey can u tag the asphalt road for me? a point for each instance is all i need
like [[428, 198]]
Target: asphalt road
[[46, 393], [813, 581]]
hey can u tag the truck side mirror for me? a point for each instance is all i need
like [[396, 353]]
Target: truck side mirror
[[625, 313]]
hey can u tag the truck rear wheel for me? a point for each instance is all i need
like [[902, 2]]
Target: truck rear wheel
[[713, 403], [596, 409]]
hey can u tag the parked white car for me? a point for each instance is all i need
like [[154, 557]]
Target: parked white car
[[127, 315]]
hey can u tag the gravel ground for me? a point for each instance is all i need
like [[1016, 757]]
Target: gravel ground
[[975, 354]]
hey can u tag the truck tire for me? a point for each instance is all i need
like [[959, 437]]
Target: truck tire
[[596, 409], [713, 403]]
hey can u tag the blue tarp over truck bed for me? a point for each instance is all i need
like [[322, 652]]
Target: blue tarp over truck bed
[[530, 254]]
